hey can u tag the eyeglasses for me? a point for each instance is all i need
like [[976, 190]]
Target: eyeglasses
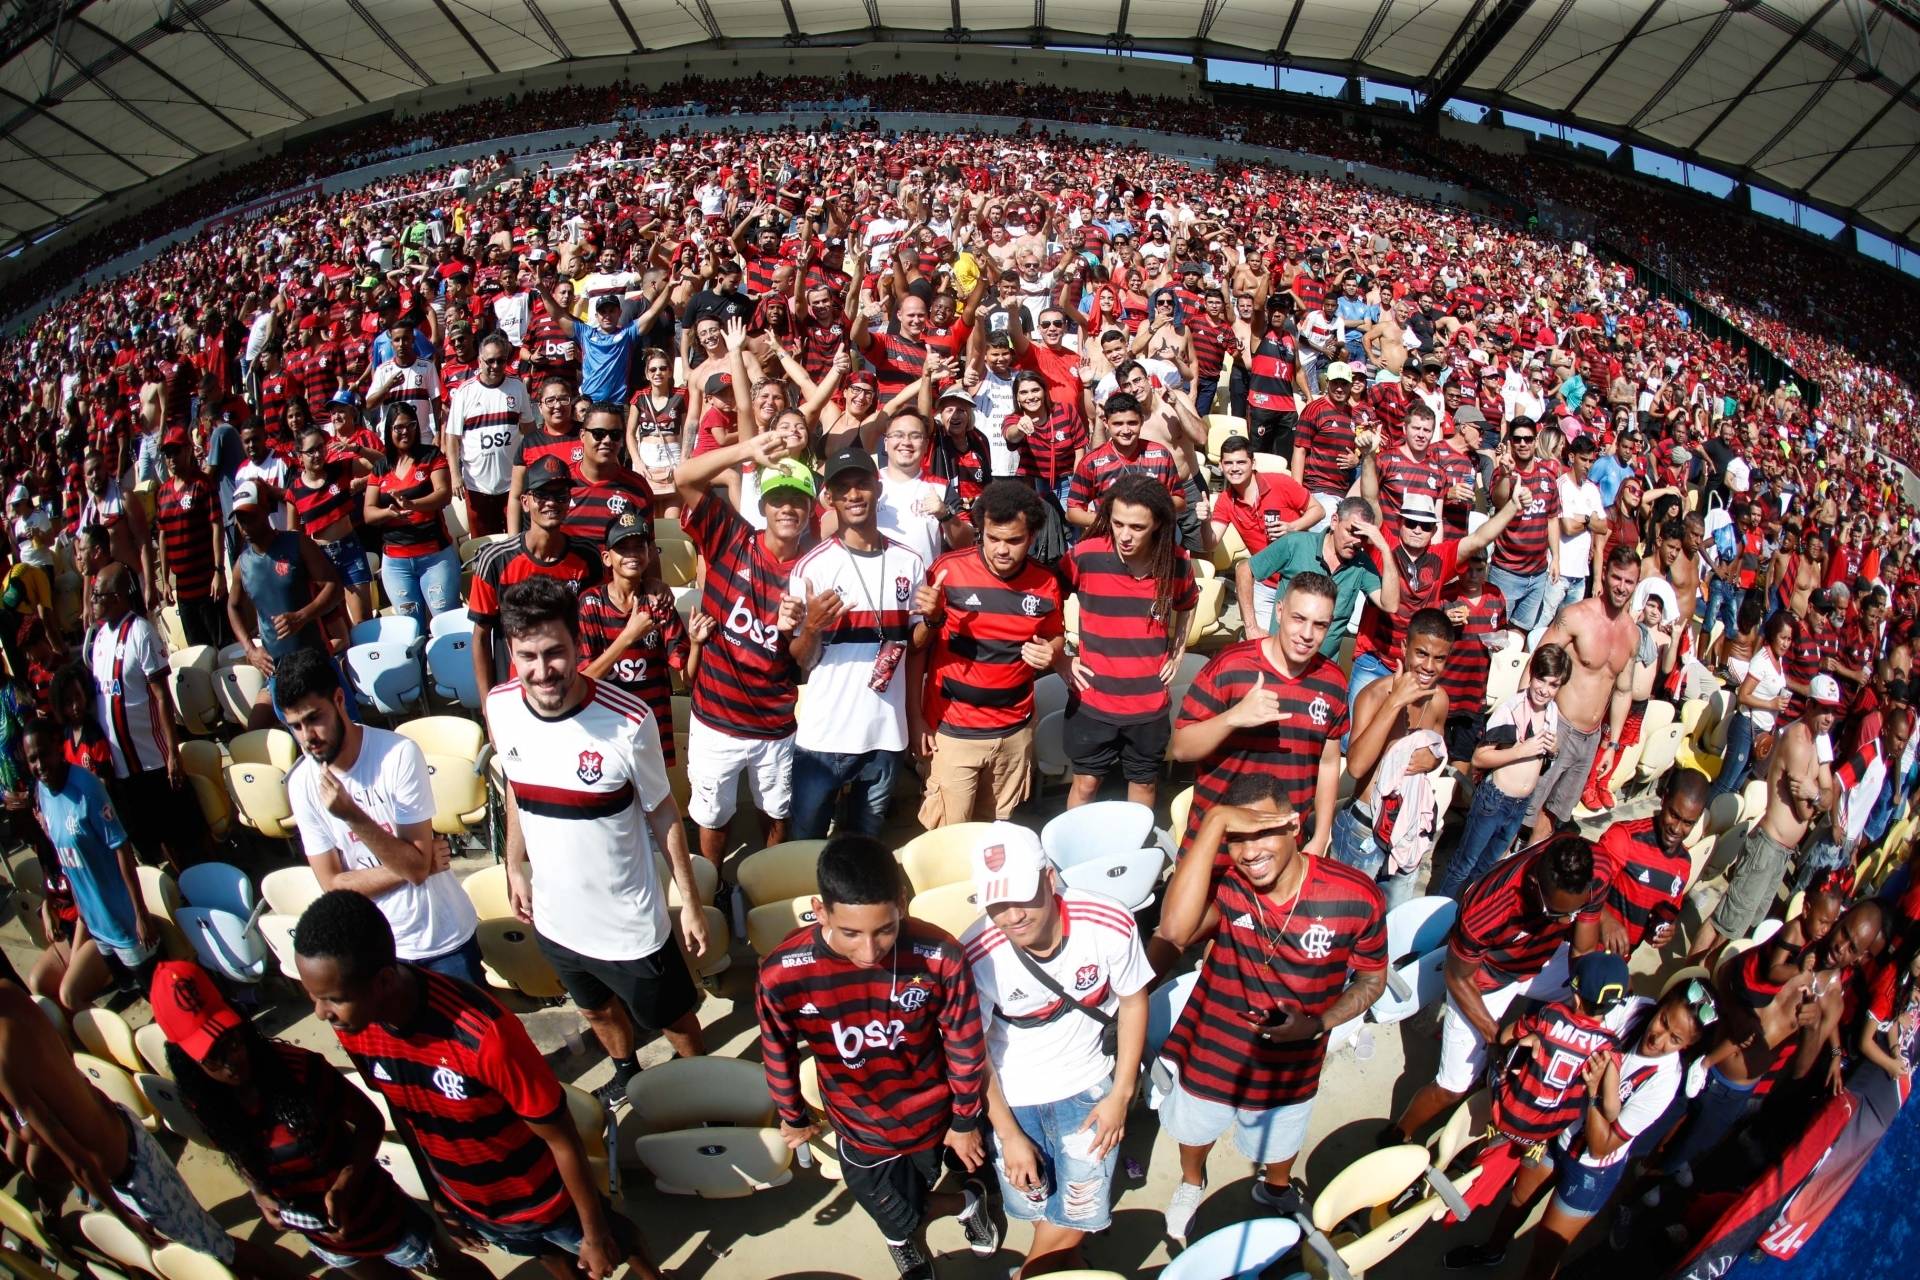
[[1700, 1000], [555, 400], [311, 453], [552, 496]]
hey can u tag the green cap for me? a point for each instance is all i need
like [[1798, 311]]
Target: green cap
[[790, 473]]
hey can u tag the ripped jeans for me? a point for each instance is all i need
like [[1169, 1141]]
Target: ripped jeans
[[1077, 1187]]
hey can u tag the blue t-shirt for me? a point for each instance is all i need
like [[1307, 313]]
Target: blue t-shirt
[[604, 358], [383, 348], [1607, 475], [85, 832]]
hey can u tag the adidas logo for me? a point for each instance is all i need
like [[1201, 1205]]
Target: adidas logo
[[380, 1073], [1243, 921], [972, 601], [1016, 994], [1645, 877], [513, 753], [809, 1007]]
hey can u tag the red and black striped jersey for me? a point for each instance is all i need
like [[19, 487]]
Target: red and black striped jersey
[[1401, 477], [978, 685], [598, 503], [819, 343], [747, 681], [275, 390], [1648, 882], [1522, 545], [1810, 646], [1543, 1087], [323, 504], [1465, 678], [760, 269], [1456, 468], [464, 1079], [320, 378], [896, 362], [1123, 641], [1270, 371], [501, 564], [1047, 454], [1325, 437], [1103, 467], [297, 1167], [1313, 711], [1211, 342], [1268, 955], [414, 533], [186, 512], [1422, 579], [967, 466], [1504, 926], [642, 669], [541, 443], [900, 1049], [1387, 404], [550, 345]]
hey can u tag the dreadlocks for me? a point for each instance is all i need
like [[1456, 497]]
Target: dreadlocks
[[1138, 490]]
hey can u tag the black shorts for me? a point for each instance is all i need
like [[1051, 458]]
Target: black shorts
[[1095, 745], [1464, 731], [166, 816], [893, 1191], [657, 989]]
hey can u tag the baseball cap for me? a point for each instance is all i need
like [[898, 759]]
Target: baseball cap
[[1338, 371], [630, 524], [956, 392], [249, 494], [546, 471], [344, 399], [789, 473], [173, 438], [849, 461], [1008, 864], [1600, 980], [719, 382], [607, 302], [1826, 692], [1193, 269], [1419, 508], [19, 494], [1469, 414], [189, 1008]]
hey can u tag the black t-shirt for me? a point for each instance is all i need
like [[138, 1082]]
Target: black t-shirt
[[1720, 453], [720, 306]]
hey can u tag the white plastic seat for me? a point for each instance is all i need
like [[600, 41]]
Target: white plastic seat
[[105, 1034], [175, 1261], [1504, 673], [387, 675], [151, 1043], [452, 622], [1243, 1249], [276, 931], [1050, 745], [449, 657], [290, 890], [1129, 877], [1164, 1007], [687, 1093], [398, 1161], [228, 944], [219, 885], [720, 1163], [386, 628], [164, 1097], [1417, 927], [1422, 982], [1096, 830], [237, 688]]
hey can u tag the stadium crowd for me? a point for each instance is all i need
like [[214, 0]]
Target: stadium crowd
[[1416, 541]]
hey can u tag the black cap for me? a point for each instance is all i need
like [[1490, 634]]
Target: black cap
[[631, 524], [1279, 302], [546, 471], [850, 460], [607, 300]]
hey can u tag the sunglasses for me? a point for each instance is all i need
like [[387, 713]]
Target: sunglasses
[[1700, 1000], [1053, 324], [1520, 439], [600, 433]]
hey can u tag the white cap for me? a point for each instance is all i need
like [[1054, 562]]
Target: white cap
[[1419, 507], [1008, 864], [19, 494], [1826, 692], [248, 493], [1656, 588]]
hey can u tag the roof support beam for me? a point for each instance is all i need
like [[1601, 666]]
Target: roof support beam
[[1860, 135], [793, 23], [1539, 43], [126, 50], [111, 153], [480, 50], [1487, 25], [713, 25], [1779, 56], [1892, 172], [1286, 32], [1373, 29], [1793, 121], [626, 24], [138, 114], [1039, 18], [555, 43], [300, 44], [57, 167], [385, 37], [197, 23], [24, 198], [1613, 54], [1209, 13], [1680, 72]]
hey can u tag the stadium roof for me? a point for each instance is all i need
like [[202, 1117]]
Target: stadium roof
[[1816, 98]]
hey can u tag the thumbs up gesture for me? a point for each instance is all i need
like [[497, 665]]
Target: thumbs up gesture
[[1260, 706], [792, 609], [930, 600]]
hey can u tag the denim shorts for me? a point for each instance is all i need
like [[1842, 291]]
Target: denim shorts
[[350, 558], [413, 1252], [1078, 1189], [1264, 1137], [1583, 1189], [526, 1240]]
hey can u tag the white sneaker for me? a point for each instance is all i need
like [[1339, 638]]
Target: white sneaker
[[1186, 1198]]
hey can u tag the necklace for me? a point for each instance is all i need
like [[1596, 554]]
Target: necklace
[[1271, 940]]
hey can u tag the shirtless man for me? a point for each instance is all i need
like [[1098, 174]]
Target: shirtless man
[[1800, 787], [1601, 635], [1655, 652], [1386, 340], [1799, 572], [63, 1132]]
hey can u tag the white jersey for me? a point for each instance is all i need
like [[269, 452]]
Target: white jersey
[[1647, 1087], [123, 659], [843, 712], [584, 784], [1042, 1051], [903, 519], [417, 384], [489, 422], [389, 781]]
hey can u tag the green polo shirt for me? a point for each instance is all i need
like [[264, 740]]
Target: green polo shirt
[[1292, 553]]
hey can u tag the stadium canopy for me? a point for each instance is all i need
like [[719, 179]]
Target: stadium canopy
[[1817, 99]]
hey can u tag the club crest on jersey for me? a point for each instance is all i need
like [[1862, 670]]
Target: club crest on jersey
[[995, 856], [1317, 941], [1030, 605], [186, 500], [617, 503], [912, 997], [902, 588], [1317, 710], [451, 1084], [588, 769], [1085, 976]]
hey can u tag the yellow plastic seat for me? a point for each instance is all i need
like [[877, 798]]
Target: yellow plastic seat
[[1364, 1188], [175, 1261], [23, 1226], [1468, 1121], [706, 879], [1220, 426], [260, 798], [116, 1240], [595, 1125], [472, 547], [459, 794], [941, 856], [265, 746], [768, 926], [151, 1042], [445, 736], [1692, 712], [687, 1093], [172, 628], [21, 1267], [487, 890], [290, 890], [679, 562], [718, 957], [1754, 800], [105, 1034], [780, 871], [1680, 977], [949, 906], [237, 688], [160, 897], [203, 764], [113, 1081], [513, 959]]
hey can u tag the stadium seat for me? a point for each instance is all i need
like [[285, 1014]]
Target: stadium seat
[[1164, 1005], [1765, 930], [1177, 810], [386, 628], [163, 1098], [1723, 813], [679, 562], [1658, 754], [55, 1017], [688, 1093], [513, 959], [1692, 973], [941, 856], [1467, 1121], [173, 1261], [472, 547], [1505, 669], [1219, 427], [723, 1162], [24, 1226], [1050, 745], [706, 879], [1412, 985], [226, 944], [113, 1080], [265, 746], [171, 629], [105, 1034], [769, 925], [238, 688], [151, 1044], [1754, 800], [449, 658], [290, 890], [487, 890], [1243, 1249], [203, 764], [446, 736], [951, 907], [1419, 926], [276, 930], [1692, 712], [453, 622], [160, 895], [386, 675], [780, 871], [116, 1240], [595, 1125], [459, 795], [1096, 830], [719, 955], [1728, 954], [260, 796], [220, 885]]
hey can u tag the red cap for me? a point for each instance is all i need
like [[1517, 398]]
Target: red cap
[[189, 1008], [174, 437]]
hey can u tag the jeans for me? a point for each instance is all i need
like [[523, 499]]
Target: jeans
[[1560, 593], [1525, 594], [1237, 389], [1367, 668], [1077, 1193], [1820, 855], [432, 581], [1204, 390], [1491, 825], [1357, 846], [463, 963], [1720, 1106], [1723, 602], [860, 785], [1313, 368], [1734, 760]]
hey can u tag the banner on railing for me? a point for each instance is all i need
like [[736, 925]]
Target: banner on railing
[[265, 204], [810, 106], [685, 109]]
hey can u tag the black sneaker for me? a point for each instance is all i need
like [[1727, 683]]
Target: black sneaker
[[1469, 1257], [912, 1263], [613, 1093], [1390, 1136], [983, 1233]]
